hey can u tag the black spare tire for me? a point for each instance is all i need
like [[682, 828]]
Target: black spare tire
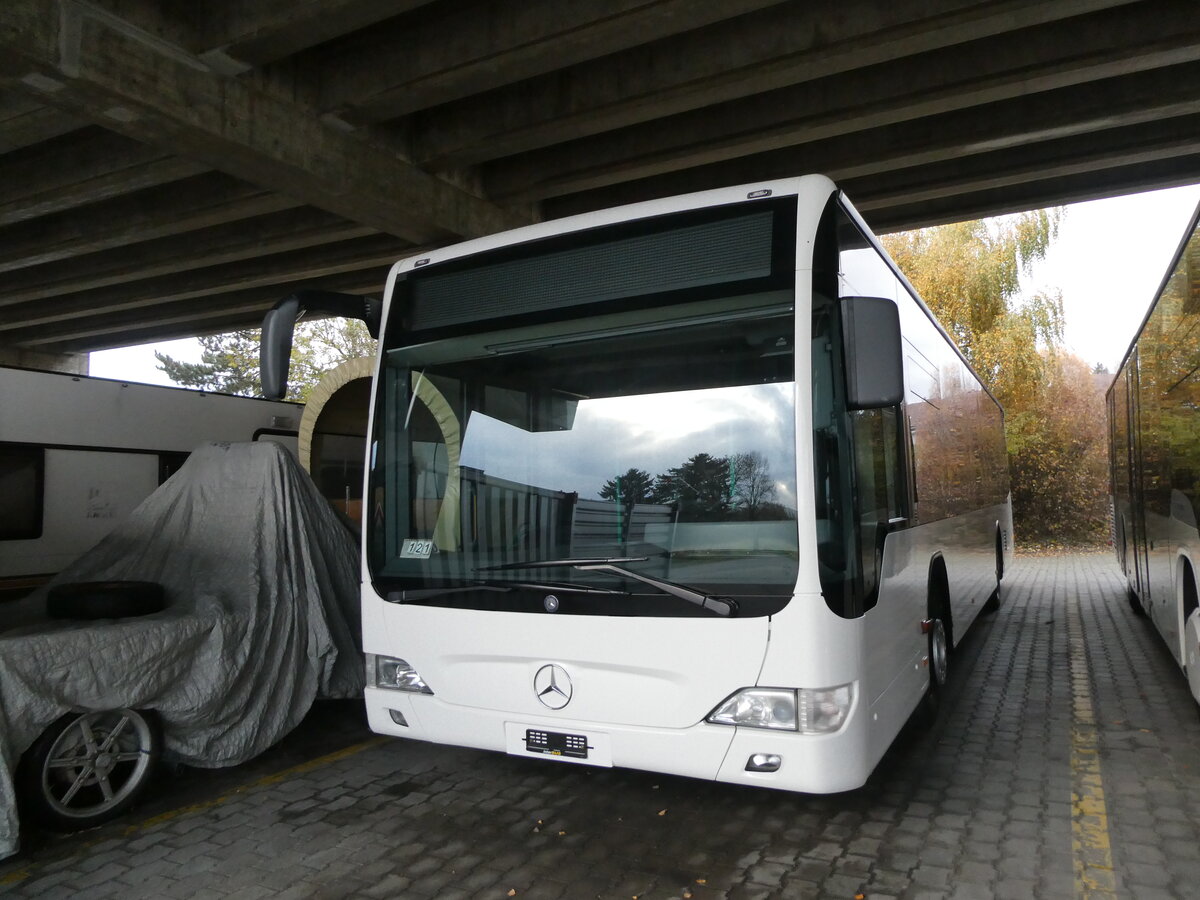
[[105, 599]]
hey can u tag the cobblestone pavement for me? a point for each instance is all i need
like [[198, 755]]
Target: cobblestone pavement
[[1048, 774]]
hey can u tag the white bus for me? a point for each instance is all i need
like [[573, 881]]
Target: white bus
[[1154, 426], [696, 486], [77, 454]]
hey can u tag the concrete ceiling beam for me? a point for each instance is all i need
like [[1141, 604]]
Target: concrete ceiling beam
[[148, 331], [765, 51], [183, 318], [24, 122], [1085, 110], [463, 49], [376, 253], [961, 78], [241, 34], [144, 332], [128, 80], [290, 229], [1153, 142], [84, 166], [1035, 194], [209, 199]]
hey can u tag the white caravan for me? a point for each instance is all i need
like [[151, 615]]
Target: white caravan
[[696, 485], [77, 454]]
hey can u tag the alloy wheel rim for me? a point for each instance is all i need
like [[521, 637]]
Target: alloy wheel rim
[[97, 761]]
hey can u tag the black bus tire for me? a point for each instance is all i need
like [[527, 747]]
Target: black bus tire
[[105, 599], [996, 598], [1135, 603]]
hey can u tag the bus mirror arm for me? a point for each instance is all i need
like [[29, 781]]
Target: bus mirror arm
[[280, 322]]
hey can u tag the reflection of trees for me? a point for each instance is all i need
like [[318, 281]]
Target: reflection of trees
[[700, 488], [706, 488], [1168, 369], [753, 487], [635, 486], [958, 448]]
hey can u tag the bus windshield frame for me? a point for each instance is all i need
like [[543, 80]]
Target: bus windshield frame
[[663, 439]]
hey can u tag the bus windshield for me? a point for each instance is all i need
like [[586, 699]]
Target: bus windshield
[[669, 448]]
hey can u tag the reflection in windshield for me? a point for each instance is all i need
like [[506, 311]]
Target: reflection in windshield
[[711, 451], [681, 454]]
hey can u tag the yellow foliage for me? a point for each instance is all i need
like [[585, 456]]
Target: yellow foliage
[[969, 275]]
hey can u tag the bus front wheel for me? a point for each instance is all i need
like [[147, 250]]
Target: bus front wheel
[[939, 656], [939, 670]]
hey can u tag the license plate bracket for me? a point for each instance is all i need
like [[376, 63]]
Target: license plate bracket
[[556, 743]]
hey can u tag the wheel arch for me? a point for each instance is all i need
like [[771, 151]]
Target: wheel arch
[[1185, 587]]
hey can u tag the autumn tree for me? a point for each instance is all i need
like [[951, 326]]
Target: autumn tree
[[969, 274], [1058, 456], [229, 362]]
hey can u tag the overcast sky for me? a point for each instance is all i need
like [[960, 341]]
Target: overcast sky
[[1109, 260]]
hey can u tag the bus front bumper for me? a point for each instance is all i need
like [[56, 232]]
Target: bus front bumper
[[807, 763]]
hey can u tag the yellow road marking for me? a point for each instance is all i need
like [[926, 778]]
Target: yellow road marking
[[14, 877], [1091, 845], [274, 778]]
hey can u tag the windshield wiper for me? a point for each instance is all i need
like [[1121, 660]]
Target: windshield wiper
[[722, 606], [507, 586]]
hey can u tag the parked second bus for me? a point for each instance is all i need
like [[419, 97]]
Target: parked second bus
[[1154, 425]]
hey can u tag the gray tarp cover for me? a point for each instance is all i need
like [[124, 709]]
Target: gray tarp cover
[[261, 581]]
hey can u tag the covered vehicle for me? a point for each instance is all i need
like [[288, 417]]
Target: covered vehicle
[[259, 597]]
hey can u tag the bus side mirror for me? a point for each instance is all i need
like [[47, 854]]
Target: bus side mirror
[[872, 350], [275, 351]]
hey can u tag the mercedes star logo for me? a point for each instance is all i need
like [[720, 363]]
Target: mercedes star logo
[[552, 685]]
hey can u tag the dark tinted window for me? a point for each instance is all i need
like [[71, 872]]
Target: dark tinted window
[[169, 463], [22, 474]]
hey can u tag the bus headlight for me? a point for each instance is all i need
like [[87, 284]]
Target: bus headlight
[[806, 710], [394, 675], [758, 708]]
